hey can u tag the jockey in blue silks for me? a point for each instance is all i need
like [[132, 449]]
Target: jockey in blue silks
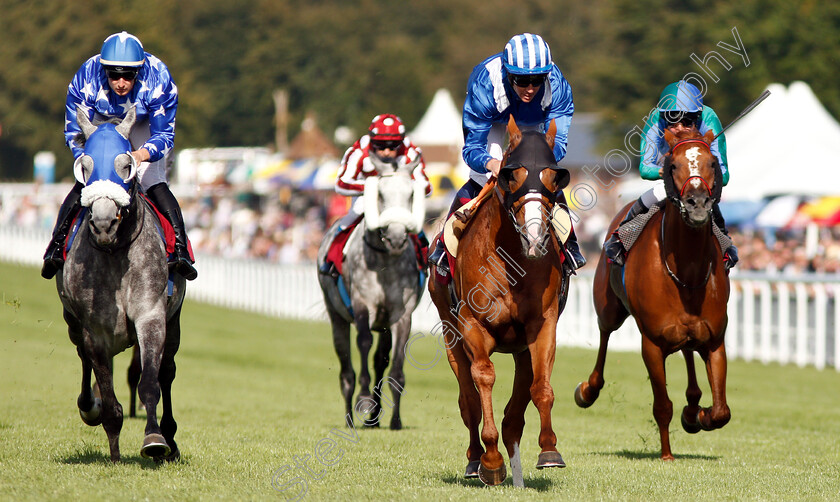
[[106, 86], [680, 108], [521, 81]]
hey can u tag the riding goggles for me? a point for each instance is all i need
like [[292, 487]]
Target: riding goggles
[[121, 74], [386, 145], [687, 119], [526, 80]]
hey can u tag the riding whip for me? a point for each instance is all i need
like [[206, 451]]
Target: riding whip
[[746, 111]]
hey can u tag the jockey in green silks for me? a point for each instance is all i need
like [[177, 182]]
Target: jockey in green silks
[[680, 108]]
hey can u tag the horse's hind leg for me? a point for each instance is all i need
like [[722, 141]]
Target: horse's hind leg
[[341, 344], [514, 419], [587, 392], [611, 315], [663, 409], [718, 415], [134, 370], [688, 417]]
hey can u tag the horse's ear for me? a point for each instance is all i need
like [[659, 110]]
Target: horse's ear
[[84, 122], [514, 133], [125, 126], [670, 138], [709, 136], [551, 133]]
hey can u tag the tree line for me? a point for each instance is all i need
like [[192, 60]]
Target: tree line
[[346, 61]]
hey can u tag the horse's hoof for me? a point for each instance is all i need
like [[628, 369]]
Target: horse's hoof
[[93, 416], [492, 477], [550, 459], [396, 424], [579, 400], [472, 469], [691, 428], [174, 456], [154, 446]]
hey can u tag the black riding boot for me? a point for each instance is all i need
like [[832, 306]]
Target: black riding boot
[[168, 205], [54, 257], [572, 246], [613, 248], [730, 256], [438, 257]]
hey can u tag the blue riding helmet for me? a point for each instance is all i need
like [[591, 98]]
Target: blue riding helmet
[[122, 50], [527, 54], [680, 97]]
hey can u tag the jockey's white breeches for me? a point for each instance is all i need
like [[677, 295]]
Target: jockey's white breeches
[[655, 194], [149, 174]]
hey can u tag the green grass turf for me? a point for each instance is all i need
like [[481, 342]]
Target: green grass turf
[[254, 396]]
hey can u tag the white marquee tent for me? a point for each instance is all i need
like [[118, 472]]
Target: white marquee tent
[[789, 144]]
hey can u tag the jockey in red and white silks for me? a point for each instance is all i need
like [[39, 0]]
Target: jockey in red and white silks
[[387, 140]]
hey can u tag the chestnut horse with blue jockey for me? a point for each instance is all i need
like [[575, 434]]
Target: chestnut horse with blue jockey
[[508, 291]]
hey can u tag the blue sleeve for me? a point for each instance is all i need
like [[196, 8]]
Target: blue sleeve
[[561, 110], [479, 113], [79, 90], [162, 105]]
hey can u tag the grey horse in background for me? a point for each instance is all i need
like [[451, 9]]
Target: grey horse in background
[[382, 279], [115, 292]]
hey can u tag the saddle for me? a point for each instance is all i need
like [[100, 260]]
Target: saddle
[[336, 252], [164, 228]]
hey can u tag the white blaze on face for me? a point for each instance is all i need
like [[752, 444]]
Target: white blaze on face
[[534, 225], [692, 155]]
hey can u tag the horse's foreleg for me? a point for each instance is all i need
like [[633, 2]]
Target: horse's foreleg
[[341, 343], [151, 334], [718, 415], [542, 351], [396, 377], [134, 370], [168, 426], [90, 406], [688, 418], [492, 470], [381, 358], [365, 403], [112, 413], [663, 409], [468, 402], [587, 392]]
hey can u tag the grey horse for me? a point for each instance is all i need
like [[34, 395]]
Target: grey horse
[[116, 293], [383, 282]]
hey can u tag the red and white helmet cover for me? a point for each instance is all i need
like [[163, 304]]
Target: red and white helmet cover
[[387, 127]]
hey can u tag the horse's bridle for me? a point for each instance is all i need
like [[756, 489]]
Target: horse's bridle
[[124, 212], [677, 200], [532, 189]]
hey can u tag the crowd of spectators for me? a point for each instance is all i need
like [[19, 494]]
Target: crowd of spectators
[[286, 226]]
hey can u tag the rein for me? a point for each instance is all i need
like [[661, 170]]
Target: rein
[[668, 268]]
